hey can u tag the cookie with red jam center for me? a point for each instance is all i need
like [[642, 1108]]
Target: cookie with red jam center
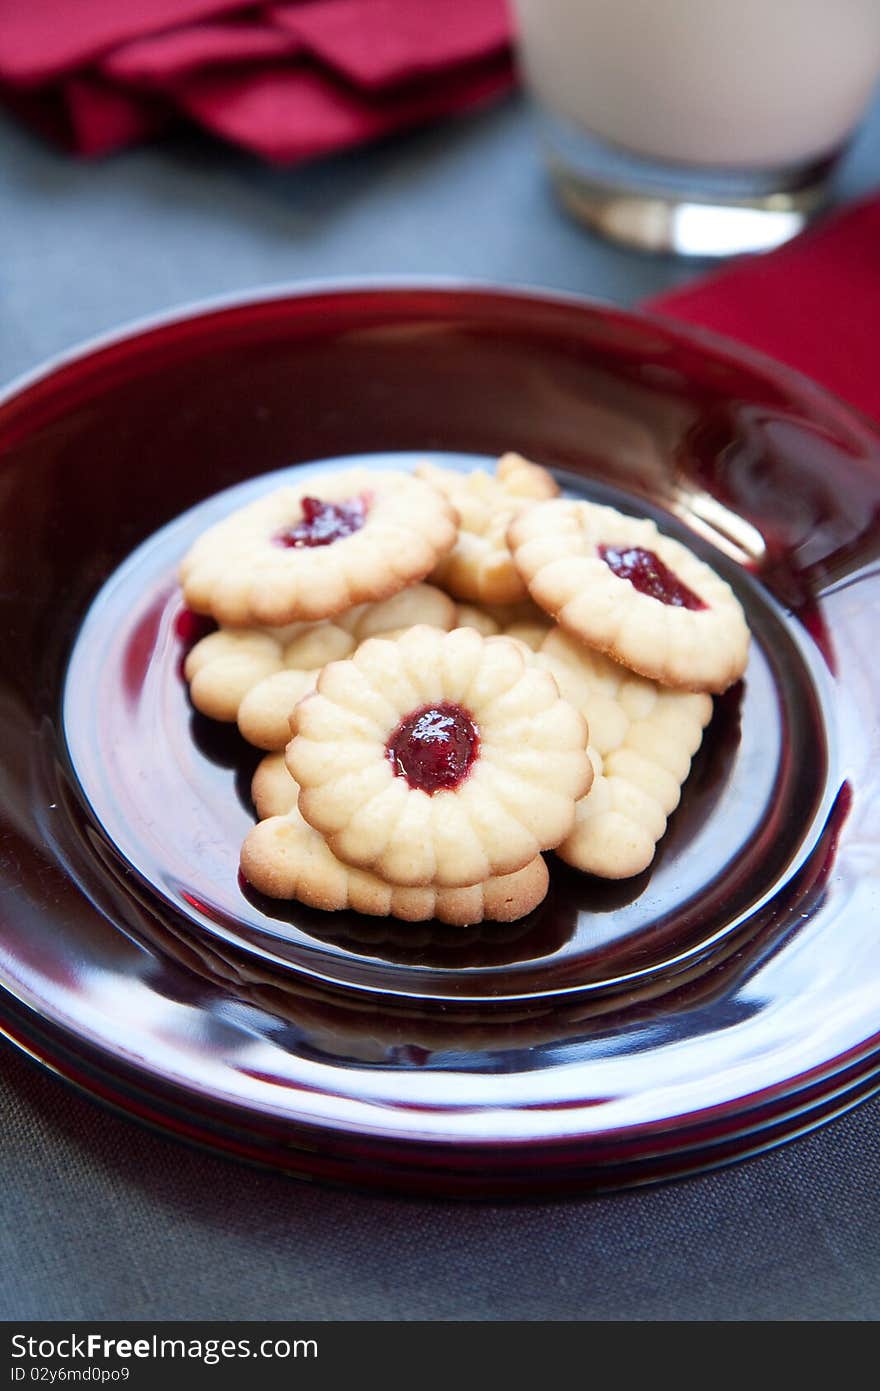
[[438, 759], [325, 522], [284, 857], [647, 573], [256, 675], [621, 586], [435, 747], [308, 552]]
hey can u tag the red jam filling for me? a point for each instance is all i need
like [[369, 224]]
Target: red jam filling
[[324, 522], [434, 748], [647, 573]]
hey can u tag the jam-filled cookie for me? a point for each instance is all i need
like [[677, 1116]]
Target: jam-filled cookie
[[311, 551], [479, 567], [623, 587], [263, 707], [284, 857], [439, 758], [642, 739], [256, 675]]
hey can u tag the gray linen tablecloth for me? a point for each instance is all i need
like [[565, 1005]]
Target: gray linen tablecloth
[[100, 1219]]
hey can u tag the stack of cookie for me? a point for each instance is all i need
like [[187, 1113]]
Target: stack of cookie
[[454, 673]]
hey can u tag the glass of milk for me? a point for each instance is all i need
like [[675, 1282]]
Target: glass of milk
[[707, 127]]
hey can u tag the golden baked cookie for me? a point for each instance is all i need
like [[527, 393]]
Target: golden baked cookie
[[438, 758], [623, 587], [642, 739], [313, 550], [284, 857], [256, 675], [524, 621], [479, 567]]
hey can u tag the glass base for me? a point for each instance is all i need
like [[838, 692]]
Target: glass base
[[683, 209]]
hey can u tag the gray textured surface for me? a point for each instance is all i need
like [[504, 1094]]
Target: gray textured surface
[[104, 1220], [101, 1219], [88, 246]]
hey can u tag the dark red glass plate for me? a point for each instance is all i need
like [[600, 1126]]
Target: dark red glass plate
[[722, 1001]]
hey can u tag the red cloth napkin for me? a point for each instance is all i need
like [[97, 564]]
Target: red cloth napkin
[[285, 81], [814, 303]]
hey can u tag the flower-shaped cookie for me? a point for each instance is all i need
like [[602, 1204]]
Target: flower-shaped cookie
[[479, 567], [284, 857], [642, 739], [314, 550], [256, 675], [623, 587], [438, 758], [265, 710]]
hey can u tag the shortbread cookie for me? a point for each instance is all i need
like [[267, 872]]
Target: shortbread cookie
[[312, 550], [264, 712], [439, 758], [642, 739], [284, 857], [479, 567], [524, 621], [623, 587], [256, 675]]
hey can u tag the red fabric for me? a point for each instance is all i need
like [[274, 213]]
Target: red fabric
[[100, 117], [286, 81], [42, 39], [288, 114], [161, 59], [87, 115], [814, 303], [378, 43]]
